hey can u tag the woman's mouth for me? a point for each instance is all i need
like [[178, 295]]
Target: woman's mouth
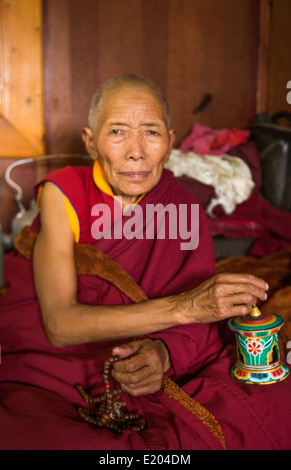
[[135, 175]]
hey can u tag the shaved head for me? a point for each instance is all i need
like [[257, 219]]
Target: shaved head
[[121, 82]]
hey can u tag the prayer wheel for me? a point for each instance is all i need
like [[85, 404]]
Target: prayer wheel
[[257, 345]]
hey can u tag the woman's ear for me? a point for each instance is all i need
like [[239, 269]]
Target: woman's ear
[[172, 136], [87, 138]]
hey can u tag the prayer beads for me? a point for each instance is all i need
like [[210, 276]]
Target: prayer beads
[[108, 412]]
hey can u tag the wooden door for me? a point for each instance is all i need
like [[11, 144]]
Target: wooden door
[[21, 79]]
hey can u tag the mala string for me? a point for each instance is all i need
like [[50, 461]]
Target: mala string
[[109, 412]]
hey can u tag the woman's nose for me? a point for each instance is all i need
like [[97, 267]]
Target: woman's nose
[[136, 148]]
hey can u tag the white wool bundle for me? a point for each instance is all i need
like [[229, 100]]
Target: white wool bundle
[[230, 176]]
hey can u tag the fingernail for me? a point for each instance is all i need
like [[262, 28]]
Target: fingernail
[[117, 348], [116, 351]]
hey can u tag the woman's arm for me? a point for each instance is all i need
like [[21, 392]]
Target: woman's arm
[[66, 321]]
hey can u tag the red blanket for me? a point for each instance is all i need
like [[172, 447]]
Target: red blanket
[[38, 398]]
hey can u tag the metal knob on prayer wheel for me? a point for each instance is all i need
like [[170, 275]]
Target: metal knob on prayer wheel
[[257, 346]]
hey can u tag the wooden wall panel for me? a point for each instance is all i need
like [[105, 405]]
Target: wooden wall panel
[[58, 76], [264, 56], [21, 67], [189, 47], [279, 58], [213, 50]]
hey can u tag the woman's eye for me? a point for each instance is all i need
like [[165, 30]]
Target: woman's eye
[[151, 132], [115, 131]]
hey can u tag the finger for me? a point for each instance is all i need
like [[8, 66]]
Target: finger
[[240, 310], [244, 298], [233, 288], [142, 383], [132, 378], [249, 293], [234, 305], [243, 278], [144, 388], [140, 353], [233, 311], [136, 370], [127, 350], [131, 364]]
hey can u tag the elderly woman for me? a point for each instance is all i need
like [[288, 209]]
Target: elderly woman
[[130, 141], [80, 319]]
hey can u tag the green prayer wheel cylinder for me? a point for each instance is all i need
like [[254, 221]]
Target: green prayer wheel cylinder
[[257, 345]]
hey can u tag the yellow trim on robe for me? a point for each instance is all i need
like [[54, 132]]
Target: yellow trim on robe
[[37, 200], [71, 213], [100, 180], [73, 219]]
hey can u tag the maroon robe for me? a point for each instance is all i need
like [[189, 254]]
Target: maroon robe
[[37, 394]]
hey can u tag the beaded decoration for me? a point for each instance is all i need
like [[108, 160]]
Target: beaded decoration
[[109, 413]]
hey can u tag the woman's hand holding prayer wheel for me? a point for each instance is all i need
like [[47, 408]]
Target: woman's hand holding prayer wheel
[[223, 296]]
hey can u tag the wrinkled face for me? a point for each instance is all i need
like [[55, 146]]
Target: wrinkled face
[[132, 141]]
